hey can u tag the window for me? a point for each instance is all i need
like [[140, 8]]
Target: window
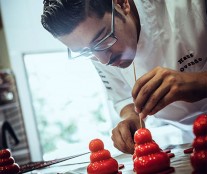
[[68, 99]]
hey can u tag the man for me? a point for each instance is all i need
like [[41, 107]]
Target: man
[[160, 43]]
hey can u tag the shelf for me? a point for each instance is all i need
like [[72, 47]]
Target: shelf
[[7, 85], [8, 106]]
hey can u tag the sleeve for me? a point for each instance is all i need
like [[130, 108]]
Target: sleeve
[[118, 90]]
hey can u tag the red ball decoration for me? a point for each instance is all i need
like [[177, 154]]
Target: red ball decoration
[[198, 157], [7, 163], [101, 161], [147, 157]]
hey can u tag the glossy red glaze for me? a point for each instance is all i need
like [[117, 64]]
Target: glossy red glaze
[[121, 166], [142, 136], [96, 145], [200, 125], [101, 160], [146, 149], [200, 143], [199, 160], [100, 155], [6, 161], [170, 155], [10, 169], [152, 163], [5, 153], [167, 150], [109, 166], [188, 151], [7, 165]]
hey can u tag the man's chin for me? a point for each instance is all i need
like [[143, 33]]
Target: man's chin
[[125, 64]]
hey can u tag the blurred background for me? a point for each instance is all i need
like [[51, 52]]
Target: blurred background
[[50, 103]]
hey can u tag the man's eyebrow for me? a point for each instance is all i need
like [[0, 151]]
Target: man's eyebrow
[[95, 37], [98, 34]]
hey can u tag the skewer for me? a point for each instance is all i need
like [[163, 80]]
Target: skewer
[[135, 78]]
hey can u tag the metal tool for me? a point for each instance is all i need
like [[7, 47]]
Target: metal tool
[[42, 164]]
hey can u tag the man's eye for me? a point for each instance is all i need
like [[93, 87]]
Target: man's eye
[[101, 36]]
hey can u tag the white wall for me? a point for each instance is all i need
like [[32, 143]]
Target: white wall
[[25, 34]]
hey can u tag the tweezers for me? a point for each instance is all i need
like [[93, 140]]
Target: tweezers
[[41, 164]]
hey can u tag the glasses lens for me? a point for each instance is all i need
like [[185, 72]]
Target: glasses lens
[[105, 44], [85, 53]]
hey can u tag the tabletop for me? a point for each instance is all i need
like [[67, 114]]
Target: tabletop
[[180, 162]]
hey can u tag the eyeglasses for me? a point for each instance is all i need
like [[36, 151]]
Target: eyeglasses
[[102, 45]]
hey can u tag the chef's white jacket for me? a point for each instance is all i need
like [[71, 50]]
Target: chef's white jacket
[[173, 35]]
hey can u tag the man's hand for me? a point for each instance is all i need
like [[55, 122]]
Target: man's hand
[[123, 133], [161, 86]]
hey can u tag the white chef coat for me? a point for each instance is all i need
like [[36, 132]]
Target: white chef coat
[[173, 35]]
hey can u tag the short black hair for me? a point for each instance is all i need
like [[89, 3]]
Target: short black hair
[[61, 17]]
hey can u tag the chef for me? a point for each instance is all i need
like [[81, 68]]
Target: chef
[[151, 56]]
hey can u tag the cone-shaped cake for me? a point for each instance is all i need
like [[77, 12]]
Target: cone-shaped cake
[[199, 156], [148, 158], [7, 163], [101, 161]]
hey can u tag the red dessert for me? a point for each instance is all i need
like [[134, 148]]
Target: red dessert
[[200, 125], [199, 156], [101, 161], [148, 157], [7, 163]]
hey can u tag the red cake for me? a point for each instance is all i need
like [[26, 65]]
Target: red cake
[[7, 163], [199, 156], [148, 158], [101, 161]]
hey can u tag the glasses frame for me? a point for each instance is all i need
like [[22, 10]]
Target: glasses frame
[[89, 51]]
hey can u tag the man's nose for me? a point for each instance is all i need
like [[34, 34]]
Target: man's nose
[[103, 56]]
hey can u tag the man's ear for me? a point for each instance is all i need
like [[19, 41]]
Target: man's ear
[[124, 5]]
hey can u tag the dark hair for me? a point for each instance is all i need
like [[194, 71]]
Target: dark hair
[[61, 17]]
